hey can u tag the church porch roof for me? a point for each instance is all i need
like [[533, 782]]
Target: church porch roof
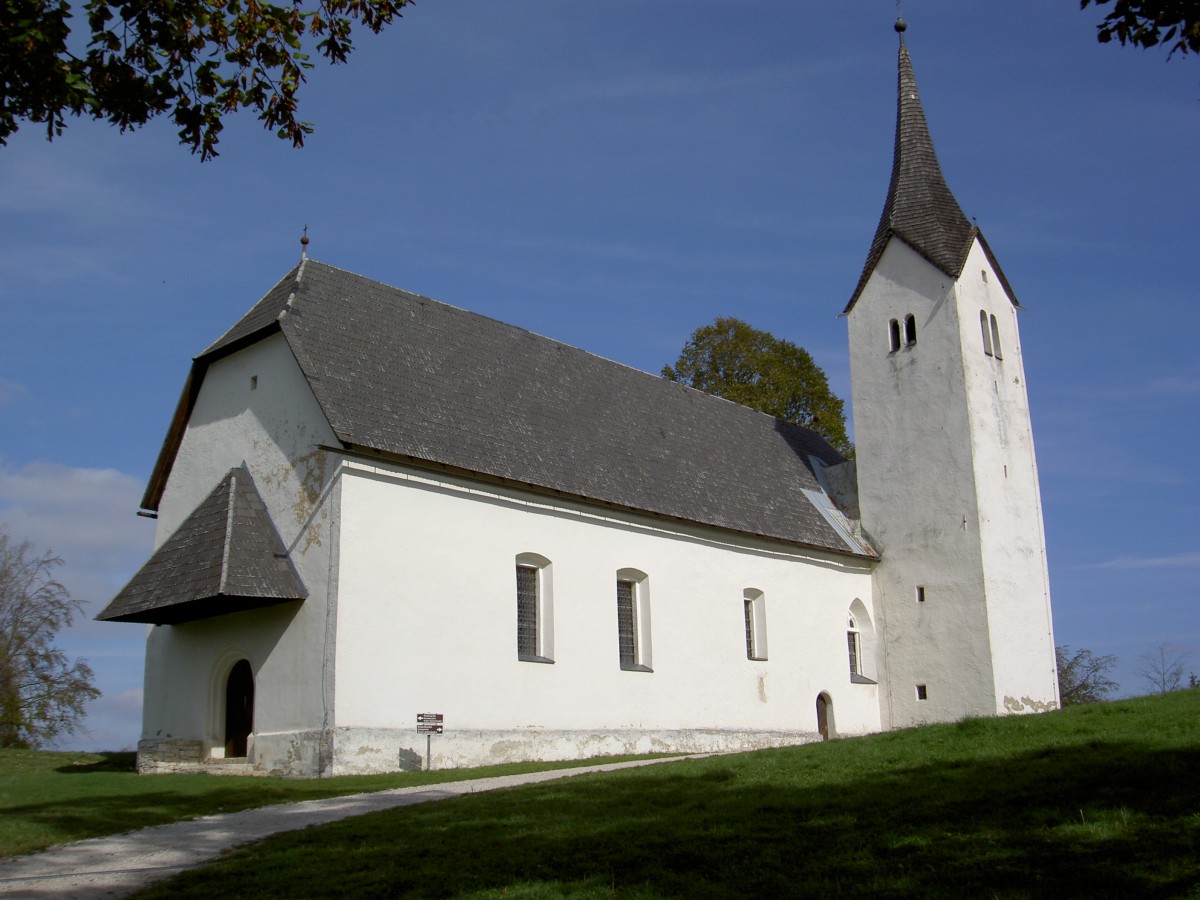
[[225, 557]]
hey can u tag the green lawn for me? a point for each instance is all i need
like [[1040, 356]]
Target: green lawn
[[49, 798], [1096, 801]]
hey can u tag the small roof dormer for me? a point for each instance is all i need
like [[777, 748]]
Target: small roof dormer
[[920, 209]]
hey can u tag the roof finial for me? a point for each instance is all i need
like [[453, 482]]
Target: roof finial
[[900, 25], [304, 244]]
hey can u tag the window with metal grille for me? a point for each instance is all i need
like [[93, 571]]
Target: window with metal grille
[[527, 611], [754, 606], [627, 622], [854, 647]]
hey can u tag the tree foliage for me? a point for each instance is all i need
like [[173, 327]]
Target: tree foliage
[[192, 60], [733, 360], [42, 693], [1083, 676], [1148, 23], [1162, 667]]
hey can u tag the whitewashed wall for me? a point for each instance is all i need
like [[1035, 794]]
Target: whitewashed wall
[[254, 409], [1010, 513], [426, 622], [934, 431]]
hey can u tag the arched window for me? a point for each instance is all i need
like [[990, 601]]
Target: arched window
[[987, 334], [910, 329], [633, 620], [535, 609], [894, 335], [996, 339], [754, 607], [860, 644]]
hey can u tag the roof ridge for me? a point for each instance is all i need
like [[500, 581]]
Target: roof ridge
[[230, 501], [266, 311]]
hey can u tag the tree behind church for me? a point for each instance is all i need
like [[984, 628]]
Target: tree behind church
[[754, 368], [42, 692]]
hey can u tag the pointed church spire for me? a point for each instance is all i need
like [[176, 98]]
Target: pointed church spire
[[920, 210]]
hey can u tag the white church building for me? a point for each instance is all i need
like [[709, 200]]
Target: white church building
[[373, 506]]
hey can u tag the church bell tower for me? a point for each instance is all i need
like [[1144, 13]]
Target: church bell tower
[[947, 477]]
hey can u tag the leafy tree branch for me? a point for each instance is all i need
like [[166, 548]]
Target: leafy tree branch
[[194, 61], [1148, 23]]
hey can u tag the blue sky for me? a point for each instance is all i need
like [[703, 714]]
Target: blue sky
[[614, 176]]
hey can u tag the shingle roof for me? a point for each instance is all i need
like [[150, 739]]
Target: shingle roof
[[225, 557], [920, 209], [407, 376]]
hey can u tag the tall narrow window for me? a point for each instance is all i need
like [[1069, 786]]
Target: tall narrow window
[[987, 334], [754, 610], [633, 621], [910, 329], [996, 339], [527, 611], [855, 648], [894, 335], [535, 609]]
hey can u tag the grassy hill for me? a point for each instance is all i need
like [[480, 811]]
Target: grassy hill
[[1094, 801], [49, 798]]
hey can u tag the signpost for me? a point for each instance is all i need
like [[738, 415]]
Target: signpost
[[429, 724]]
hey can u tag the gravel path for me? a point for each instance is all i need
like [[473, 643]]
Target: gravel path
[[119, 865]]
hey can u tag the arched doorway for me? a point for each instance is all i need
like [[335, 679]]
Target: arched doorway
[[239, 709], [824, 716]]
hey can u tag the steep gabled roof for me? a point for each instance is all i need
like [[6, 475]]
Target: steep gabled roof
[[920, 209], [225, 557], [419, 381]]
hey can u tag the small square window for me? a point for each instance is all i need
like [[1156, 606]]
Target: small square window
[[922, 692]]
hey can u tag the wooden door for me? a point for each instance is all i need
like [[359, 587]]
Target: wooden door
[[239, 709]]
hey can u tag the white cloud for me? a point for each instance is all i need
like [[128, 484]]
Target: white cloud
[[87, 517], [1189, 560]]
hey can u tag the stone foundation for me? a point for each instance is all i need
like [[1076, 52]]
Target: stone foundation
[[366, 751], [362, 751], [161, 755]]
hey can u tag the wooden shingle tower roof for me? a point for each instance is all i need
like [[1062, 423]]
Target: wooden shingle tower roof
[[920, 209]]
